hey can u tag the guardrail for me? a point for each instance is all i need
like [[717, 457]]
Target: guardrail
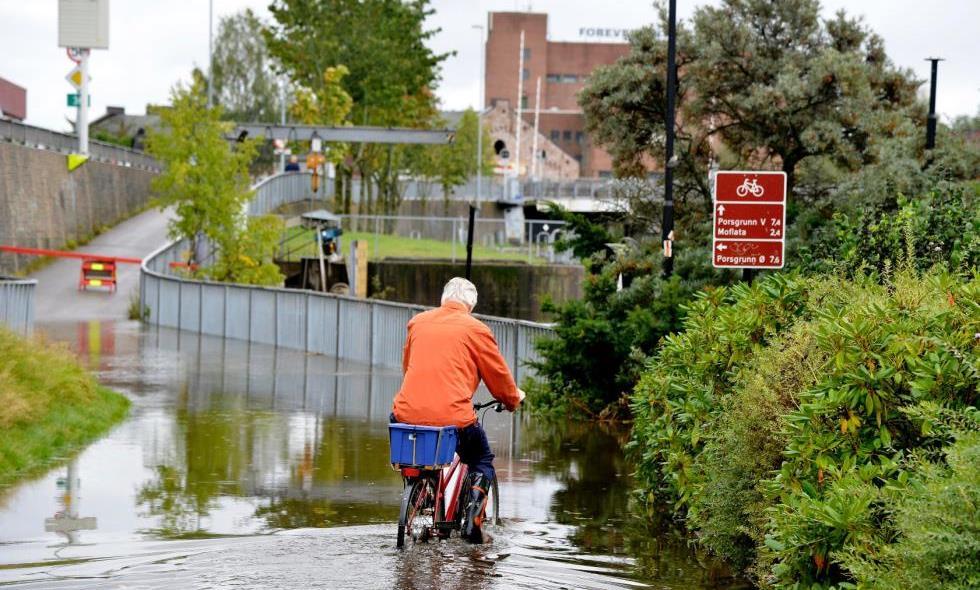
[[66, 143], [362, 330], [281, 189], [17, 304]]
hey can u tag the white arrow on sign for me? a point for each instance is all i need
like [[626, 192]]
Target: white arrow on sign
[[722, 247], [721, 210]]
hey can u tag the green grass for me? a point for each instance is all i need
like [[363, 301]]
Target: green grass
[[302, 243], [51, 406]]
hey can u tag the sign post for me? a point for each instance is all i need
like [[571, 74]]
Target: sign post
[[83, 25], [749, 220]]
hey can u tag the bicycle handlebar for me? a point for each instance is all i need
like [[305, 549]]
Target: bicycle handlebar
[[478, 406]]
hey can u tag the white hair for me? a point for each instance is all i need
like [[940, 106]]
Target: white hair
[[461, 290]]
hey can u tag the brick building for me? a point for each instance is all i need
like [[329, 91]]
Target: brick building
[[563, 68], [13, 101]]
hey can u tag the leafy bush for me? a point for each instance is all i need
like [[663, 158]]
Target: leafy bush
[[936, 520], [601, 341], [939, 225], [781, 412]]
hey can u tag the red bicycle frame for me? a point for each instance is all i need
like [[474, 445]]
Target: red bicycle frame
[[448, 484]]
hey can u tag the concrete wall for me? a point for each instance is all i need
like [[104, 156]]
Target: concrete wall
[[511, 290], [42, 205]]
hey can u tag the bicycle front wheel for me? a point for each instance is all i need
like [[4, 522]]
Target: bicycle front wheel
[[417, 517], [493, 505]]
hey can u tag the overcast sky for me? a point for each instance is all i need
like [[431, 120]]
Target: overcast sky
[[153, 44]]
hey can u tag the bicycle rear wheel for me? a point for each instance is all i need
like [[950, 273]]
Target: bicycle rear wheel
[[417, 518]]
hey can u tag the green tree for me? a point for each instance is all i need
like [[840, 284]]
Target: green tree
[[455, 163], [244, 76], [392, 72], [206, 181]]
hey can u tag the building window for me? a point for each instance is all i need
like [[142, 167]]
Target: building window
[[527, 53], [579, 137], [552, 78], [525, 73], [567, 135], [524, 102], [605, 174], [555, 135], [569, 78], [499, 146]]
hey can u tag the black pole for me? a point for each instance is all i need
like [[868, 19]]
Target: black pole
[[748, 275], [469, 243], [931, 122], [667, 231]]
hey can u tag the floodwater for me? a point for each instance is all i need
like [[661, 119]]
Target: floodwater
[[243, 466]]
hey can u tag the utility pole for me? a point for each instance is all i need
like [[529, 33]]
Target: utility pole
[[81, 124], [479, 119], [535, 158], [518, 120], [210, 53], [469, 242], [667, 231], [282, 117], [931, 122]]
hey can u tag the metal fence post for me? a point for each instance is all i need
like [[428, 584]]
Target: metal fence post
[[336, 321], [371, 331], [224, 315], [306, 322]]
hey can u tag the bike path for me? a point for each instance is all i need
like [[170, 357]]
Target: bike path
[[57, 296]]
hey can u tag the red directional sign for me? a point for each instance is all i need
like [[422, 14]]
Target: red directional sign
[[749, 219]]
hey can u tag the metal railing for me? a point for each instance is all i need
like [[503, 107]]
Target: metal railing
[[45, 139], [362, 330], [273, 192], [17, 304]]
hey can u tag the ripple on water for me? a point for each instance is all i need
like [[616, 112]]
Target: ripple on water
[[359, 557]]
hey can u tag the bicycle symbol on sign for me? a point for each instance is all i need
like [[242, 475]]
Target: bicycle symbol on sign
[[749, 185]]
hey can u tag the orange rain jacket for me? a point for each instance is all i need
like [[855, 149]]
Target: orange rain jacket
[[447, 352]]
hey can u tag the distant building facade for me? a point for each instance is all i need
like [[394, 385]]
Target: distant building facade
[[563, 68], [13, 101]]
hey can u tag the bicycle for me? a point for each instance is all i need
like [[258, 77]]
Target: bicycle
[[428, 482], [749, 186]]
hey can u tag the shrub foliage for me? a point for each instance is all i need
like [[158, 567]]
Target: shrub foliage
[[780, 417]]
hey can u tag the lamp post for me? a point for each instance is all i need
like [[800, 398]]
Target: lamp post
[[479, 120], [210, 53], [667, 231], [931, 122]]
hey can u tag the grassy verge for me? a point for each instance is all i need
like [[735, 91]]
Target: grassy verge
[[51, 406], [380, 246]]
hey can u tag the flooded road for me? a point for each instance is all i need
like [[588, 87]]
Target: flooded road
[[243, 466]]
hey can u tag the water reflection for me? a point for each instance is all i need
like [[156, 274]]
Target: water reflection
[[66, 522], [228, 438]]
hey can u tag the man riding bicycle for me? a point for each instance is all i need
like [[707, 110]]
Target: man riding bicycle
[[447, 353]]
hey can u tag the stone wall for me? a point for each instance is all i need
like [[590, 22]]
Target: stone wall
[[511, 290], [42, 205]]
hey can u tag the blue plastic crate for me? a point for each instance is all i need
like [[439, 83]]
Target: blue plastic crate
[[426, 447]]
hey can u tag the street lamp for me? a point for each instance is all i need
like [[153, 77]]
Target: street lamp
[[479, 120]]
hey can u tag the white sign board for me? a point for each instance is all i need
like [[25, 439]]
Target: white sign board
[[83, 23]]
